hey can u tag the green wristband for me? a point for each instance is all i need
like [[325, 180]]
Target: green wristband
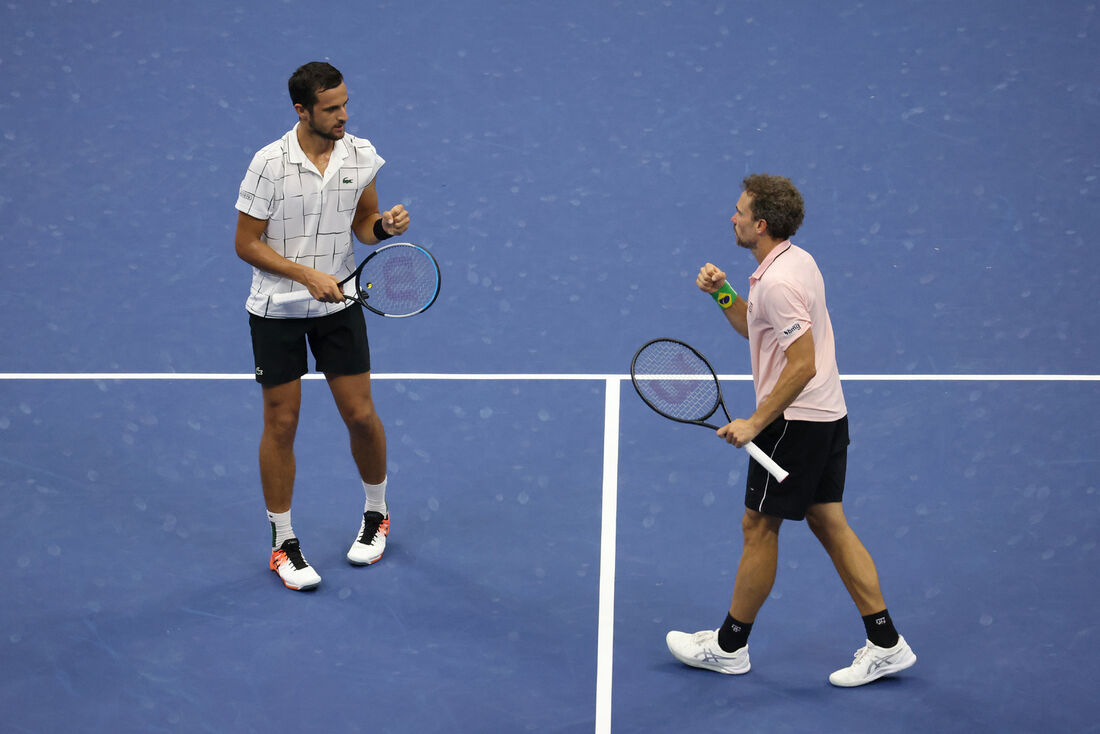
[[724, 296]]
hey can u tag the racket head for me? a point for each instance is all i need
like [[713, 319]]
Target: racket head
[[397, 280], [676, 381]]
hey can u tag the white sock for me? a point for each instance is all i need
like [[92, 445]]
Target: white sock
[[280, 527], [376, 497]]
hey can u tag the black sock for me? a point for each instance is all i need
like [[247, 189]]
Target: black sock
[[733, 635], [880, 629]]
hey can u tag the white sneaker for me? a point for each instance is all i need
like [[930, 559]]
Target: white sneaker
[[293, 568], [872, 662], [701, 650], [371, 542]]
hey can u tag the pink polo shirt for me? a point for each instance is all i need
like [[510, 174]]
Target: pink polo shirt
[[787, 298]]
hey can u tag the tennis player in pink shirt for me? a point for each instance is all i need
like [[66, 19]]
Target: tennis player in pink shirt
[[801, 421]]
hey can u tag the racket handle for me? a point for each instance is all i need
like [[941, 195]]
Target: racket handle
[[766, 461], [292, 297]]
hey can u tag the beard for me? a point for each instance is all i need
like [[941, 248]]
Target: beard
[[326, 134]]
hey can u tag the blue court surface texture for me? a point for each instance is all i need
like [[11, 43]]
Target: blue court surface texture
[[572, 164]]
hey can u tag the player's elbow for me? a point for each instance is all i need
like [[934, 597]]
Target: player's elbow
[[806, 372], [247, 237], [243, 246]]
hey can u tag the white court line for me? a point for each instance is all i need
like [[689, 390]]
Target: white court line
[[605, 636], [970, 378], [310, 376], [522, 376]]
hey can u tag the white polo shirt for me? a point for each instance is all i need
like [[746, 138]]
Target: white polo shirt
[[308, 215], [787, 298]]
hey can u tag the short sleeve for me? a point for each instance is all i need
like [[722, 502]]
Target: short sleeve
[[788, 313], [256, 197]]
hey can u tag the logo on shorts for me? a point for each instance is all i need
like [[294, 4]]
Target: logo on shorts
[[259, 372]]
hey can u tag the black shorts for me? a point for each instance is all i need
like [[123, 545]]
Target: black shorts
[[338, 342], [815, 454]]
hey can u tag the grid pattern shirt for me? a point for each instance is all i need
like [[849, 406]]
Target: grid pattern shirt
[[308, 215]]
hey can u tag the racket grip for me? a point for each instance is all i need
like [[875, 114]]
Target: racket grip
[[766, 461], [291, 297]]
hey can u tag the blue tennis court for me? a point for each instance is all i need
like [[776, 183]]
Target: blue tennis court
[[571, 165]]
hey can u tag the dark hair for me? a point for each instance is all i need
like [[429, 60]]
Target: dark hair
[[777, 202], [311, 78]]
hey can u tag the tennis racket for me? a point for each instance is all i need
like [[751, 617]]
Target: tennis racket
[[679, 383], [396, 280]]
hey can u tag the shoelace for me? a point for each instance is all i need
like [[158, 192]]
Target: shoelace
[[860, 654], [292, 551], [372, 521]]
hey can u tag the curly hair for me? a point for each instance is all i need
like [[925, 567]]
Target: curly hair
[[775, 200], [311, 78]]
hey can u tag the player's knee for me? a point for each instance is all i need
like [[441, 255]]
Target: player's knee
[[281, 424], [362, 419]]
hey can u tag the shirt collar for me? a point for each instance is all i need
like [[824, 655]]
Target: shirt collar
[[767, 263], [294, 148], [296, 155]]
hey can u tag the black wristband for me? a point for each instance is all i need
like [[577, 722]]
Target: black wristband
[[380, 232]]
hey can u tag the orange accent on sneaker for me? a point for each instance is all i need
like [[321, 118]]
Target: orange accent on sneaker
[[278, 558], [384, 528]]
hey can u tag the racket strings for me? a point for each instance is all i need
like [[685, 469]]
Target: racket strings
[[399, 280], [675, 381]]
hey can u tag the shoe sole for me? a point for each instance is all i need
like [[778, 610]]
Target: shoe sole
[[364, 563], [702, 666], [303, 587], [880, 673]]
